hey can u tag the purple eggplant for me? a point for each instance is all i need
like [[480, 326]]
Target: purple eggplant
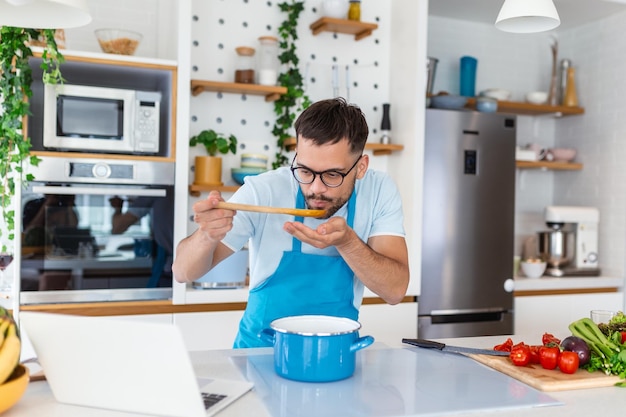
[[579, 346]]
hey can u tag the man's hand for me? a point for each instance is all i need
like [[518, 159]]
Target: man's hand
[[213, 223], [335, 232]]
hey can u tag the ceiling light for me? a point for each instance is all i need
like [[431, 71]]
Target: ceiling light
[[527, 16], [44, 14]]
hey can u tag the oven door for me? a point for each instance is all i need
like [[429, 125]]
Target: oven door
[[96, 242]]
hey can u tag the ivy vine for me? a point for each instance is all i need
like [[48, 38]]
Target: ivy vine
[[15, 90], [294, 100]]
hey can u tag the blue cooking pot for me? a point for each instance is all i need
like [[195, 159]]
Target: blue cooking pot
[[315, 348]]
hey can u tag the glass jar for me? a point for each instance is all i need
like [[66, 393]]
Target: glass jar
[[267, 63], [244, 67], [354, 12]]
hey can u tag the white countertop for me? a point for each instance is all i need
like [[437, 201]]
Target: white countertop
[[607, 402], [566, 283]]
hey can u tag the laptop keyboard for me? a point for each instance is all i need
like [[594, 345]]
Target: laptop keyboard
[[211, 399]]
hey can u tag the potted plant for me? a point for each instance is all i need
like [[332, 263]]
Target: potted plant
[[15, 90], [294, 100], [208, 169]]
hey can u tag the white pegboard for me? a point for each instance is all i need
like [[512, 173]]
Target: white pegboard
[[219, 26]]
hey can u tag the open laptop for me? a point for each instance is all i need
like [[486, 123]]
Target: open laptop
[[123, 365]]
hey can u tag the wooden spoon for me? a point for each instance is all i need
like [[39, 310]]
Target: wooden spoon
[[271, 210]]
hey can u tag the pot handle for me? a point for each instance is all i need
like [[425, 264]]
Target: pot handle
[[361, 343], [268, 335]]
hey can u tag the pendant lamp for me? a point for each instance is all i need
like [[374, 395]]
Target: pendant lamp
[[44, 14], [527, 16]]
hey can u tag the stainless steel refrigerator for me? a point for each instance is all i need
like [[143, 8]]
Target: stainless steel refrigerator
[[468, 224]]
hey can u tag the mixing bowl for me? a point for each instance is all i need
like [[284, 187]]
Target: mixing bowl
[[533, 268], [13, 389], [118, 41]]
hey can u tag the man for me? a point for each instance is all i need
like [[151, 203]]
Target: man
[[305, 265]]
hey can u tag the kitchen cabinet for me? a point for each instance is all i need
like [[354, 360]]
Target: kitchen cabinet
[[537, 314], [116, 71], [360, 30], [217, 330], [210, 330]]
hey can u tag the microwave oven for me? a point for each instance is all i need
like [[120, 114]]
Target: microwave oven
[[101, 119]]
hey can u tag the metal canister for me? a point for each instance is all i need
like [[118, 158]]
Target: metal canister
[[562, 85], [431, 68]]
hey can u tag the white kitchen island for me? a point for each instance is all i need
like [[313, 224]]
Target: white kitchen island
[[388, 381]]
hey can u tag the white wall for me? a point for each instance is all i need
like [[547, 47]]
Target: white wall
[[598, 53], [522, 63]]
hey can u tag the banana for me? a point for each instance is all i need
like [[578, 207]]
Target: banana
[[9, 353], [4, 325]]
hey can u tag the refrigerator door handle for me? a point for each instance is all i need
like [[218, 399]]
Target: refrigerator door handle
[[467, 316]]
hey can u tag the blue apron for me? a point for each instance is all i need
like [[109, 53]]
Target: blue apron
[[302, 284]]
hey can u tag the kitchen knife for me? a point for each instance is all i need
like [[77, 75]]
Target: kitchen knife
[[429, 344]]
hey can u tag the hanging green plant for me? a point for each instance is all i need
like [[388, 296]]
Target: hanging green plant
[[287, 106], [15, 91]]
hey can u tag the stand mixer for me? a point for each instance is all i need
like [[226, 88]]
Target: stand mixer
[[570, 247]]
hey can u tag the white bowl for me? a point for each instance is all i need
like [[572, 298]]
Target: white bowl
[[534, 269], [562, 154], [337, 9], [537, 97], [497, 93]]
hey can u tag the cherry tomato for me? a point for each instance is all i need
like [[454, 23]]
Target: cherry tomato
[[623, 337], [520, 354], [504, 347], [534, 354], [549, 356], [549, 340], [568, 362]]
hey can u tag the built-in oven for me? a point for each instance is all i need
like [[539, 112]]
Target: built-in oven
[[97, 230]]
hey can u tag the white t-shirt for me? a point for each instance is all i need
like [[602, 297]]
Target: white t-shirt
[[378, 212]]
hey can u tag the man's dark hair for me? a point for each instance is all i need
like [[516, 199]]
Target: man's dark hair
[[330, 121]]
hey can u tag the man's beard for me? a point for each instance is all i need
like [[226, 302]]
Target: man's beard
[[337, 203]]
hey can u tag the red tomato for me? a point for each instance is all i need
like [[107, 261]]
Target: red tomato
[[549, 340], [549, 356], [534, 354], [520, 354], [568, 362], [504, 347], [623, 337]]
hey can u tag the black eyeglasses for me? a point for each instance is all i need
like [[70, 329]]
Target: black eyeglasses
[[330, 178]]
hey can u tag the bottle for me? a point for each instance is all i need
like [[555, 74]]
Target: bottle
[[354, 12], [385, 126], [244, 68], [468, 76], [565, 64], [267, 61], [570, 99]]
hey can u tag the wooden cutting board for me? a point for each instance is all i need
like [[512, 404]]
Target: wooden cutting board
[[545, 379]]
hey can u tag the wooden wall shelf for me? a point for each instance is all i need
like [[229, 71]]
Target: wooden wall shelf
[[376, 148], [271, 93], [528, 109], [551, 165], [360, 30]]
